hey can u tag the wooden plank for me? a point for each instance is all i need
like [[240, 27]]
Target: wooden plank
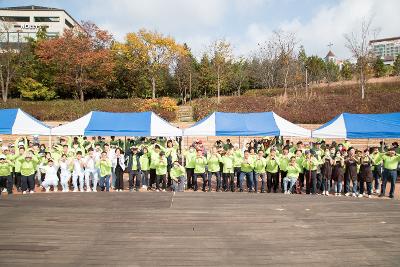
[[208, 229]]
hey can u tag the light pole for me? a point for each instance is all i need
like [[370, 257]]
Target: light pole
[[306, 80]]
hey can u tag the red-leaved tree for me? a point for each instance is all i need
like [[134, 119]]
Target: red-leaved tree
[[81, 56]]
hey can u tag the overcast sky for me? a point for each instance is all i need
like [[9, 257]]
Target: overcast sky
[[244, 23]]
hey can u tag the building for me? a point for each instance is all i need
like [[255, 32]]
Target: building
[[331, 57], [387, 49], [18, 23]]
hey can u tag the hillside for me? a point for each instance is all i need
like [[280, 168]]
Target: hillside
[[324, 103]]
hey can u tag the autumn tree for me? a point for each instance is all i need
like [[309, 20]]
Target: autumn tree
[[379, 67], [81, 56], [10, 59], [316, 67], [347, 70], [221, 55], [206, 75], [396, 65], [239, 77]]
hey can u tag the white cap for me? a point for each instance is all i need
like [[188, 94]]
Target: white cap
[[3, 157], [21, 144], [4, 148], [236, 145]]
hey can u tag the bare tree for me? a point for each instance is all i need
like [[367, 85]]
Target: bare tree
[[358, 44], [10, 57], [285, 43], [266, 59]]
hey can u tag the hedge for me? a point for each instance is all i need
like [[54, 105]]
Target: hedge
[[68, 110]]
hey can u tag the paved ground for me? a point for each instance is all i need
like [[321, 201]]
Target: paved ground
[[206, 229]]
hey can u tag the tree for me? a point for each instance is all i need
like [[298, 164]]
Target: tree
[[347, 70], [33, 90], [316, 68], [206, 77], [332, 72], [396, 65], [358, 45], [81, 56], [185, 73], [286, 43], [10, 59], [379, 68], [221, 57], [239, 75]]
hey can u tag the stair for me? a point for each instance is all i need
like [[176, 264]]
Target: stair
[[185, 113]]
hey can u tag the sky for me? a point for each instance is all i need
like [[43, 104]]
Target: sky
[[244, 23]]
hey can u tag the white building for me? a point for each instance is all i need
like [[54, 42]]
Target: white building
[[330, 57], [387, 49], [17, 23]]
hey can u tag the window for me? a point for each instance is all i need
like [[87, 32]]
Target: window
[[47, 19], [14, 18], [69, 24]]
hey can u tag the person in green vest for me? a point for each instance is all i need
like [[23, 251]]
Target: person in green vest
[[28, 170], [105, 166], [346, 144], [161, 171], [259, 169], [376, 169], [178, 177], [5, 174], [390, 164], [310, 165], [246, 170], [214, 167], [227, 161], [272, 168], [154, 155], [145, 168], [292, 174], [284, 160], [171, 152], [299, 160], [200, 170], [237, 162], [133, 167], [189, 156]]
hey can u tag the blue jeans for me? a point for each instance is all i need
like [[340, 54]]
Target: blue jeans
[[377, 173], [218, 177], [291, 180], [145, 177], [337, 187], [249, 177], [263, 181], [347, 185], [389, 175], [105, 183]]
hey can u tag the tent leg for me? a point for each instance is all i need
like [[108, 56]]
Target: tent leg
[[239, 142], [124, 144], [50, 139], [368, 143]]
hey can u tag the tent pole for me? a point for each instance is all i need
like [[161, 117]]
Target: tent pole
[[368, 143], [50, 141], [124, 144], [239, 142]]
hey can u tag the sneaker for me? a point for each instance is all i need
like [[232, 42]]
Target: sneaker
[[361, 195], [157, 190], [88, 190], [354, 194], [55, 189], [31, 192], [323, 192], [378, 191], [4, 190], [75, 190], [369, 196], [339, 195], [94, 190], [24, 192], [67, 190], [47, 190], [163, 190], [326, 193], [347, 194]]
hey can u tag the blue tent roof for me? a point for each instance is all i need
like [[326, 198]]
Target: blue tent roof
[[245, 124], [16, 121], [348, 125], [118, 124]]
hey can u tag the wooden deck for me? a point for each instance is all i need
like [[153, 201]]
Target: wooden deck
[[207, 229]]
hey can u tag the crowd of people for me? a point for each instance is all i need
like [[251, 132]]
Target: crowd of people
[[260, 166]]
